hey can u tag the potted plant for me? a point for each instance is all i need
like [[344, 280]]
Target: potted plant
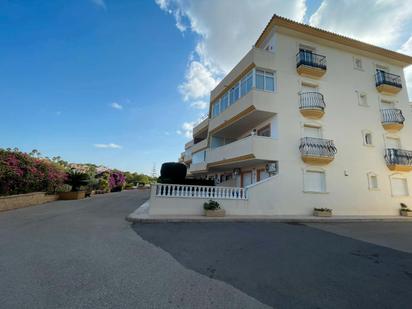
[[405, 211], [322, 212], [76, 180], [212, 209]]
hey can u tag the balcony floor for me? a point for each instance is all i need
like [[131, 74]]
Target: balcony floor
[[317, 159]]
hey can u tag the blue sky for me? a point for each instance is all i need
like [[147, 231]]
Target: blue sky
[[121, 83]]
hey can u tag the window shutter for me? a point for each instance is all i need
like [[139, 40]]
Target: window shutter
[[314, 181], [399, 186]]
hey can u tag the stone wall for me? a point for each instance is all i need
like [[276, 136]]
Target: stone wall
[[25, 200]]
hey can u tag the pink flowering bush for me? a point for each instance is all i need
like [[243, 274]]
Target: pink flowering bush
[[116, 181], [21, 173]]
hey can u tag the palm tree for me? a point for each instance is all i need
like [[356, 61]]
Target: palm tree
[[77, 179]]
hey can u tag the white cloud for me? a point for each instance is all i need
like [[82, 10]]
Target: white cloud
[[100, 3], [406, 48], [379, 22], [226, 31], [199, 82], [116, 105], [187, 129], [199, 104], [111, 145]]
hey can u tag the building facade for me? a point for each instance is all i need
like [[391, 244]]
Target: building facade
[[309, 118]]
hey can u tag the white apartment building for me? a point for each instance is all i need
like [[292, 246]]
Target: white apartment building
[[308, 118]]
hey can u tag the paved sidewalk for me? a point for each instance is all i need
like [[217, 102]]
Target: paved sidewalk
[[141, 215]]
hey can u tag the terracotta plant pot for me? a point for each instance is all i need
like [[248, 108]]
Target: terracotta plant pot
[[74, 195], [215, 213], [318, 213], [405, 213]]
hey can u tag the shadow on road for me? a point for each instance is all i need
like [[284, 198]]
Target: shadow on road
[[289, 265]]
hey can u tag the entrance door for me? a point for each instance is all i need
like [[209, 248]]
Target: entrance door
[[246, 179]]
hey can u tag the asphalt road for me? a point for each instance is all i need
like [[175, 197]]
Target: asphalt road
[[83, 254], [293, 265]]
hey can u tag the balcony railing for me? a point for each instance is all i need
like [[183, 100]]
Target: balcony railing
[[310, 59], [398, 159], [392, 115], [312, 100], [385, 78], [311, 147]]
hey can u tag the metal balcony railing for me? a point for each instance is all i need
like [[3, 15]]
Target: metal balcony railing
[[312, 100], [317, 147], [392, 115], [308, 58], [385, 78], [398, 157]]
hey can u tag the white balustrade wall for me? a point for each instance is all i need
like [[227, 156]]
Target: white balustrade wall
[[188, 191]]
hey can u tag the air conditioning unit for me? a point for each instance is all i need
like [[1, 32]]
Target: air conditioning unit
[[272, 168]]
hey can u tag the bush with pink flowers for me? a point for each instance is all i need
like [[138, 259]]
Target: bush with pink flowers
[[21, 173], [116, 181]]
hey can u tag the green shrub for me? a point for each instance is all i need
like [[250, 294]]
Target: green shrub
[[63, 188], [77, 180], [323, 209], [211, 205], [199, 182], [172, 172], [405, 207]]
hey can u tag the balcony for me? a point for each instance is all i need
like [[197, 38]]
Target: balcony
[[199, 146], [387, 83], [252, 149], [392, 119], [250, 110], [398, 159], [317, 150], [256, 57], [197, 168], [312, 105], [310, 64], [200, 130]]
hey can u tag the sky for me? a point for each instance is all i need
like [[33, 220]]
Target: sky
[[122, 83]]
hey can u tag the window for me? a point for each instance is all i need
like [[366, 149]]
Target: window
[[224, 103], [362, 99], [234, 93], [216, 109], [246, 84], [357, 63], [314, 181], [265, 80], [367, 138], [373, 181], [312, 131], [199, 157], [393, 143], [380, 67], [309, 87], [265, 131], [387, 104], [399, 186]]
